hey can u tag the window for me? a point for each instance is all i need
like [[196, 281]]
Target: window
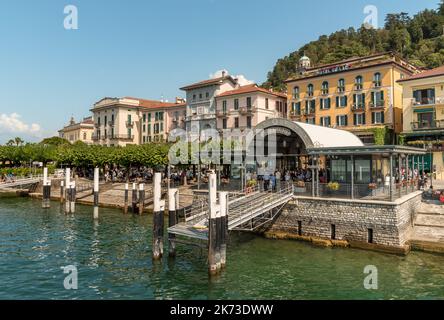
[[129, 132], [424, 96], [144, 139], [143, 128], [248, 102], [377, 99], [310, 90], [358, 83], [325, 103], [236, 122], [359, 101], [106, 120], [296, 93], [200, 96], [236, 104], [207, 95], [359, 119], [144, 117], [224, 123], [194, 97], [149, 117], [324, 89], [310, 120], [98, 121], [341, 85], [266, 103], [149, 128], [248, 122], [310, 106], [296, 108], [84, 136], [341, 101], [378, 117], [325, 121], [224, 106], [377, 79], [341, 120]]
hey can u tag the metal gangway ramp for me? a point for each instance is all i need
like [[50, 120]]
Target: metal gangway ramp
[[246, 212], [23, 182]]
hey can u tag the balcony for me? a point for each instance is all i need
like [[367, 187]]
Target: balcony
[[97, 124], [130, 124], [341, 89], [198, 117], [295, 115], [246, 110], [358, 87], [426, 125], [380, 104], [221, 114], [120, 137], [95, 137], [111, 123], [310, 112], [424, 101], [377, 84], [358, 107]]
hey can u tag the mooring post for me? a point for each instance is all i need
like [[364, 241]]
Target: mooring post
[[125, 202], [213, 255], [134, 199], [67, 182], [46, 190], [159, 207], [68, 199], [96, 193], [173, 201], [223, 203], [62, 190], [141, 198], [73, 197]]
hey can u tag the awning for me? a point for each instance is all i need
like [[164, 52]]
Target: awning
[[425, 110]]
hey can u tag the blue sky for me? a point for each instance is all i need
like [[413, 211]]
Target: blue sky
[[148, 49]]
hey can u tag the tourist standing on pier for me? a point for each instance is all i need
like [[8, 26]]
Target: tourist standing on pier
[[278, 180]]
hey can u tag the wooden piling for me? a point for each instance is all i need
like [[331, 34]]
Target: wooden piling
[[134, 199], [67, 183], [46, 198], [173, 205], [141, 198], [159, 207], [62, 191], [213, 254], [223, 202], [96, 193], [125, 202], [72, 206]]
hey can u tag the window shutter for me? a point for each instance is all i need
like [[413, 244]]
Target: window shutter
[[337, 120], [382, 117], [337, 102], [382, 95], [346, 120], [354, 98], [363, 99], [363, 118], [354, 119], [329, 103], [373, 117], [345, 98]]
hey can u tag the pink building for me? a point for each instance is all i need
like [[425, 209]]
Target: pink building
[[249, 105]]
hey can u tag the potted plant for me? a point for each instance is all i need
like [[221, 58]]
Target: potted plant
[[300, 187], [333, 186]]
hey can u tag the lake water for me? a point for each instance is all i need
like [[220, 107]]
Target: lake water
[[113, 259]]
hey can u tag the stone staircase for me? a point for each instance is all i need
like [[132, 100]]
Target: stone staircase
[[428, 230]]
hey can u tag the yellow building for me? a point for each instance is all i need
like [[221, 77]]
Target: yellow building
[[358, 94], [423, 110], [78, 131]]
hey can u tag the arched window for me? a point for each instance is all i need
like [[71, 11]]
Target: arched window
[[296, 93], [310, 90], [341, 85], [377, 79], [358, 83], [324, 87]]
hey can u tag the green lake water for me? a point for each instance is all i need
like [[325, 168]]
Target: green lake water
[[113, 259]]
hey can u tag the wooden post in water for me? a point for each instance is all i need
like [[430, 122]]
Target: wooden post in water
[[46, 199], [62, 190], [67, 186], [68, 199], [141, 198], [125, 202], [96, 193], [173, 205], [159, 207], [213, 254], [223, 203], [72, 205], [134, 199]]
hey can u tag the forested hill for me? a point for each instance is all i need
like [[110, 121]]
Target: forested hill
[[419, 39]]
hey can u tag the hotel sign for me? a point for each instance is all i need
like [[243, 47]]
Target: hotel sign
[[334, 69]]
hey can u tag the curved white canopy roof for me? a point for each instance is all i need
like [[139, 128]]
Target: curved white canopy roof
[[324, 137], [315, 136]]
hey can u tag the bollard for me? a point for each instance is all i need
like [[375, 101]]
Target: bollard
[[125, 202], [141, 198], [223, 202], [134, 198], [96, 193], [173, 205], [159, 207], [213, 255], [62, 190]]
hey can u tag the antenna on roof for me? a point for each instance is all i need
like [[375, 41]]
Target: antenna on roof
[[161, 97]]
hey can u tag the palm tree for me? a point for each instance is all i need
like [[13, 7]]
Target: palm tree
[[18, 141]]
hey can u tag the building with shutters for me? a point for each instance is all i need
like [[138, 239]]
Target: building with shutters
[[360, 95]]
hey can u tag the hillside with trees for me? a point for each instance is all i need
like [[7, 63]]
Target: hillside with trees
[[419, 39]]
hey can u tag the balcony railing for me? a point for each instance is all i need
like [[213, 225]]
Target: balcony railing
[[341, 89], [295, 114], [130, 123], [377, 104], [246, 110], [196, 117], [358, 87], [97, 124], [358, 107], [111, 123], [424, 125], [120, 137], [310, 112], [424, 101], [221, 114], [377, 84]]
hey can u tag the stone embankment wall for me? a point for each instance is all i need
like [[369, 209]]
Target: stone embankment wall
[[369, 224]]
